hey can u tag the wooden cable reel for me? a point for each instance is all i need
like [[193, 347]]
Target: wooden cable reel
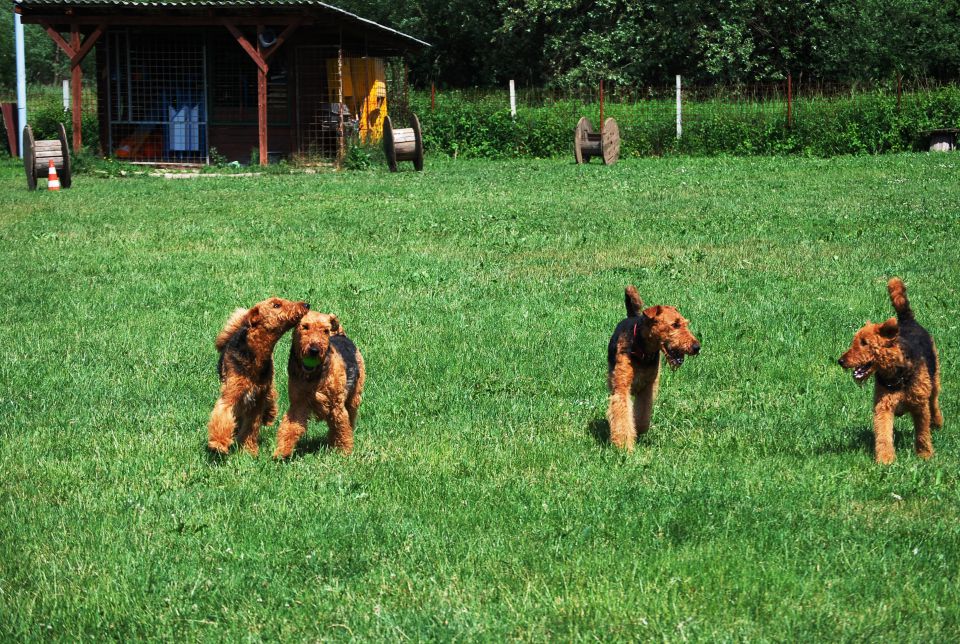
[[604, 144], [403, 144], [37, 156]]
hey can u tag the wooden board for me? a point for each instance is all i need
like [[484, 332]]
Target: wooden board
[[28, 162], [388, 147], [418, 152], [610, 142], [584, 127]]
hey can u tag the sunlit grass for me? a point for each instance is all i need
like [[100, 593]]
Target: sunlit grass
[[479, 503]]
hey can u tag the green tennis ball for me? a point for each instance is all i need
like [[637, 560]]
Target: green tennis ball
[[310, 362]]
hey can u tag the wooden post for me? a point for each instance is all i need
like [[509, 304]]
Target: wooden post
[[76, 80], [259, 58], [601, 105], [341, 143], [789, 100], [77, 53], [262, 101]]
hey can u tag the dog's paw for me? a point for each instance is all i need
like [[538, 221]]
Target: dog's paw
[[218, 447]]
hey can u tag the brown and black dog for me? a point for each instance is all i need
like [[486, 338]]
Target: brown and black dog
[[902, 357], [326, 381], [248, 398], [633, 364]]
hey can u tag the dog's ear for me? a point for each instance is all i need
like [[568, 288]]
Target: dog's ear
[[889, 329], [254, 316], [334, 324], [653, 311]]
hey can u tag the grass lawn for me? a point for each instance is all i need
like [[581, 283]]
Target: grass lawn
[[481, 502]]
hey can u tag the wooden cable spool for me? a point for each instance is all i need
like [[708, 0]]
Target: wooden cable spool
[[604, 144], [403, 144], [38, 154]]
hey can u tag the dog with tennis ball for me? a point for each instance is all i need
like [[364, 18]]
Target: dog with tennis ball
[[326, 382]]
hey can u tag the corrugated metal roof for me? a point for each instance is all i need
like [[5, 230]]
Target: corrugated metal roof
[[212, 4]]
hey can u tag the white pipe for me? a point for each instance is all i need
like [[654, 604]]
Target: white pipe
[[66, 95], [679, 110], [513, 99], [21, 81]]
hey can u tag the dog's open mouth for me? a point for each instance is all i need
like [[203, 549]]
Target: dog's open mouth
[[862, 372], [674, 358]]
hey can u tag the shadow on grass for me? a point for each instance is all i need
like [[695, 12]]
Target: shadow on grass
[[311, 445], [861, 440], [599, 428], [214, 458]]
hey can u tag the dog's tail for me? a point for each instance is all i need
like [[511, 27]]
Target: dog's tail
[[898, 296], [234, 322], [633, 301]]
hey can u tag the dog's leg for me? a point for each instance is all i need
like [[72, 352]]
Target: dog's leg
[[620, 416], [936, 418], [270, 409], [623, 433], [221, 427], [341, 430], [353, 404], [356, 396], [883, 435], [251, 437], [923, 443], [643, 405], [292, 428]]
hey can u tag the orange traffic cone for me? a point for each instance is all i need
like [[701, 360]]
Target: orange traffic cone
[[53, 181]]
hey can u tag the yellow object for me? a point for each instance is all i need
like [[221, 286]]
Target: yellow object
[[364, 93]]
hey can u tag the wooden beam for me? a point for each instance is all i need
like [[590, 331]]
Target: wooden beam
[[262, 101], [247, 47], [162, 20], [76, 80], [286, 33], [57, 38], [88, 44]]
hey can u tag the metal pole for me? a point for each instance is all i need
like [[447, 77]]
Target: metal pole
[[21, 82], [679, 110], [513, 99]]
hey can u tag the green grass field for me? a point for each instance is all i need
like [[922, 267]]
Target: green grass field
[[481, 502]]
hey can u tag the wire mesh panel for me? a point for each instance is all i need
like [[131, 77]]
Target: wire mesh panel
[[323, 119], [157, 97]]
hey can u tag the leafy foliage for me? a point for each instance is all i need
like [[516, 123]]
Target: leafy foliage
[[865, 123]]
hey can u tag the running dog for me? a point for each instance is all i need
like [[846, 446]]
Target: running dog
[[902, 357], [633, 364]]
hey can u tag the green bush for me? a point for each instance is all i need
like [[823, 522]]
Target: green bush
[[45, 111], [863, 123]]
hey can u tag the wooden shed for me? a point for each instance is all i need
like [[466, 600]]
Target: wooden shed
[[179, 80]]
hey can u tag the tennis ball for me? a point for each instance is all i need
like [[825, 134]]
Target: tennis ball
[[310, 362]]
